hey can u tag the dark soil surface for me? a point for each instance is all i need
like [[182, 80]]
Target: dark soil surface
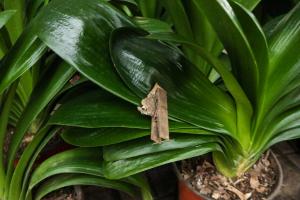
[[256, 184]]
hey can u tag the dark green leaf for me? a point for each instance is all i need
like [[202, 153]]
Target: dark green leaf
[[97, 108], [79, 33], [142, 62]]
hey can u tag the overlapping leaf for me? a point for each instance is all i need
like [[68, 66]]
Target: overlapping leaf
[[142, 62]]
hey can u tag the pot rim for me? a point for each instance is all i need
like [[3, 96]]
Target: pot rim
[[274, 193]]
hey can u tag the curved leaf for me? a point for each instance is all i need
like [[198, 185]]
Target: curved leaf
[[233, 38], [123, 168], [5, 16], [24, 54], [65, 180], [142, 62], [17, 178], [15, 26], [96, 109], [84, 137], [78, 31], [80, 160], [284, 66], [153, 25], [144, 146], [93, 137], [41, 96]]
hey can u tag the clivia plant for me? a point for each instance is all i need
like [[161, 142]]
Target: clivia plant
[[236, 109], [254, 107]]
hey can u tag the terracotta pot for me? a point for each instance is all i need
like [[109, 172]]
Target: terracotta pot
[[186, 192]]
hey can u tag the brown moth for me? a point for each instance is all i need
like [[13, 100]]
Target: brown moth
[[156, 106]]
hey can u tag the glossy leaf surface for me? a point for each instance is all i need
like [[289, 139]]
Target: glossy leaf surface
[[79, 34], [142, 62]]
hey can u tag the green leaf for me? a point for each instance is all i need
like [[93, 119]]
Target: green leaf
[[123, 168], [153, 25], [43, 141], [179, 17], [17, 178], [65, 180], [140, 181], [33, 7], [145, 146], [48, 87], [97, 108], [5, 16], [148, 7], [84, 137], [80, 160], [255, 36], [249, 4], [4, 117], [233, 38], [284, 68], [188, 89], [93, 137], [243, 105], [78, 31], [16, 25], [289, 134], [24, 54]]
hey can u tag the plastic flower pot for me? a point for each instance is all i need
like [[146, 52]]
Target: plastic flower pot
[[186, 191]]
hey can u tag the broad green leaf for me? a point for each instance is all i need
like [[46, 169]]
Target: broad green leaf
[[78, 31], [143, 146], [97, 108], [243, 105], [65, 180], [231, 34], [93, 137], [192, 98], [123, 168]]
